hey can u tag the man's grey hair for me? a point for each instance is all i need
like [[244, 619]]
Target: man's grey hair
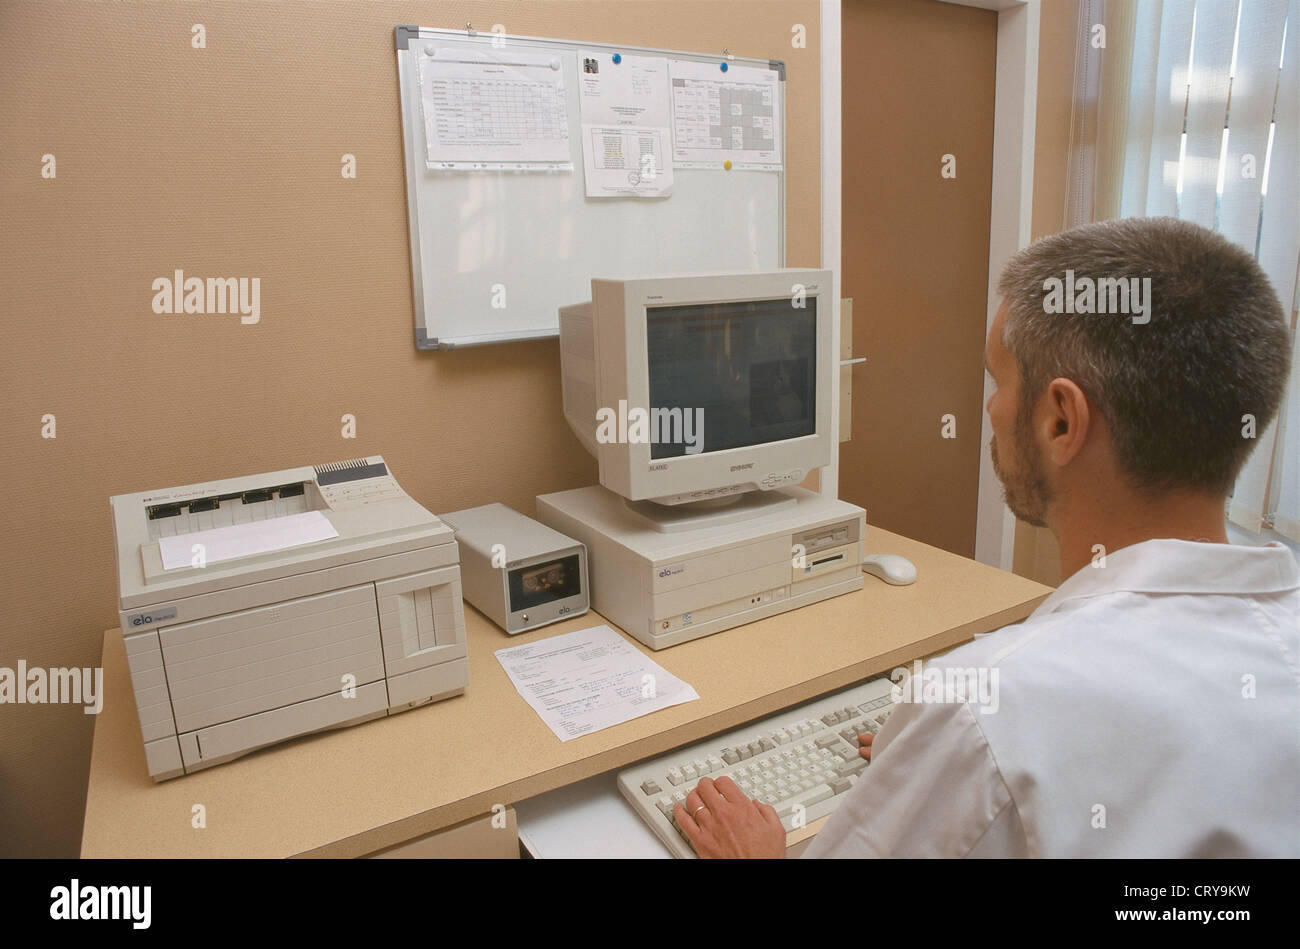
[[1174, 389]]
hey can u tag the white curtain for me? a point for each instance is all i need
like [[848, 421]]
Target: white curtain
[[1195, 108]]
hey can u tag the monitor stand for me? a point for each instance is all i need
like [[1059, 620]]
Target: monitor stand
[[715, 512]]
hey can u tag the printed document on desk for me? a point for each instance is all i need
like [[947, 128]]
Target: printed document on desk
[[626, 134], [494, 110], [591, 679]]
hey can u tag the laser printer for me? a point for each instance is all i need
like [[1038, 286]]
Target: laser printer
[[260, 608]]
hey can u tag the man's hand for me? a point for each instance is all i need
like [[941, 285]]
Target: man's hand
[[864, 741], [720, 821]]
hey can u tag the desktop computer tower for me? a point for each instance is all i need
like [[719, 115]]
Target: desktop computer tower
[[669, 587]]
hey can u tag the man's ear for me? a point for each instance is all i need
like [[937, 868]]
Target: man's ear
[[1066, 420]]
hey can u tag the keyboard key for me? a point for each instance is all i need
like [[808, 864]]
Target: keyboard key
[[818, 794], [674, 776], [766, 744], [651, 787], [826, 741], [688, 772], [852, 766], [715, 764], [840, 785], [730, 755]]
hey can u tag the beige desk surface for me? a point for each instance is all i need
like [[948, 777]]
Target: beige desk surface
[[351, 792]]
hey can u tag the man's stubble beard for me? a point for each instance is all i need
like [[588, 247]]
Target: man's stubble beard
[[1025, 489]]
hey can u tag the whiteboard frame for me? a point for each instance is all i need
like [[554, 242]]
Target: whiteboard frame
[[413, 140]]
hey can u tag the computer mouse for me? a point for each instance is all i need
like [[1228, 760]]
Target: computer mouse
[[891, 568]]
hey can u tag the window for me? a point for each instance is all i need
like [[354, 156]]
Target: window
[[1191, 109]]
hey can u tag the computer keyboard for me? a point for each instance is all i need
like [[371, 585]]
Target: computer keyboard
[[801, 761]]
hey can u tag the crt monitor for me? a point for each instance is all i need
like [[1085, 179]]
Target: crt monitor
[[700, 387]]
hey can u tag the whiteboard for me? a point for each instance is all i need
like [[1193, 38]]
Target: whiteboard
[[495, 254]]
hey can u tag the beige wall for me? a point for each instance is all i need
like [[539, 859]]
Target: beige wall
[[225, 161], [918, 84]]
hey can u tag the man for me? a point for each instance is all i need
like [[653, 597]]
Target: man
[[1150, 707]]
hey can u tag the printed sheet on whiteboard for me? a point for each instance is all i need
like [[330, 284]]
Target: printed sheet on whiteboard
[[730, 116], [494, 110], [626, 126]]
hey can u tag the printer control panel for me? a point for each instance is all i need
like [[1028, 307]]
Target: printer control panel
[[350, 484]]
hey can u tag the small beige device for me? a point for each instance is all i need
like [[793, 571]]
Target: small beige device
[[517, 572], [262, 608]]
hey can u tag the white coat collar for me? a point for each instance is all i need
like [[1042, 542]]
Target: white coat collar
[[1182, 566]]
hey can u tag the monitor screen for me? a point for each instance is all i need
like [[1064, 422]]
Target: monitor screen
[[751, 367]]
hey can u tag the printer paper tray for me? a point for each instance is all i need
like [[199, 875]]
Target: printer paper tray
[[210, 746], [220, 743]]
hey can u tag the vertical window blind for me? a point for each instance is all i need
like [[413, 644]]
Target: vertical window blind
[[1191, 109]]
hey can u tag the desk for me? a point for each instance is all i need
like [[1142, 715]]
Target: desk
[[352, 792]]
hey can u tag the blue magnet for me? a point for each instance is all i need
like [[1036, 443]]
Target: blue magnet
[[724, 67], [618, 58]]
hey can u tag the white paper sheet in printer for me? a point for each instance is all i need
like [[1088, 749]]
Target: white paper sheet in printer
[[261, 608]]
